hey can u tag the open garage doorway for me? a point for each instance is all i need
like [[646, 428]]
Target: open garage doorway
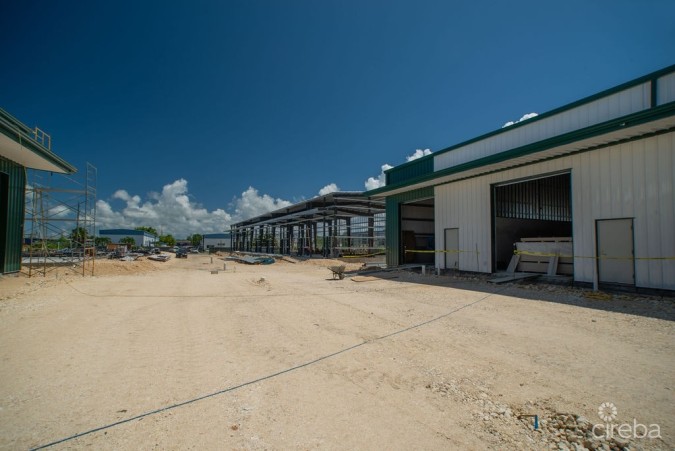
[[418, 241], [534, 217]]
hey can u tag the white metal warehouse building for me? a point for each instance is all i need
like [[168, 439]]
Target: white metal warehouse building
[[216, 240], [600, 171], [141, 237]]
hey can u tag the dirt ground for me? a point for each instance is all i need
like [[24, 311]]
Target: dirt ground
[[149, 355]]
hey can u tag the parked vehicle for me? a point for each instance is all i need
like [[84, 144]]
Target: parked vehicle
[[181, 253]]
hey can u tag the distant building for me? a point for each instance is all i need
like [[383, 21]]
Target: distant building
[[141, 237], [335, 224], [20, 148], [217, 241]]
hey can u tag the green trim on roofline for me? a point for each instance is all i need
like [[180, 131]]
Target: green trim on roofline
[[14, 121], [652, 77], [420, 160], [555, 157], [19, 132], [420, 166], [638, 118]]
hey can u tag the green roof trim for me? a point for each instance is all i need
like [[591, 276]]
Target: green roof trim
[[15, 122], [22, 134], [652, 77], [418, 161], [417, 167], [638, 118]]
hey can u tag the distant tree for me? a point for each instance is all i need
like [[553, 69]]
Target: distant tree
[[101, 241], [78, 235], [128, 240], [147, 229], [195, 239], [60, 243], [169, 240]]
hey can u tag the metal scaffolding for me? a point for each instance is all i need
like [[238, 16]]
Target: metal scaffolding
[[60, 223], [340, 224]]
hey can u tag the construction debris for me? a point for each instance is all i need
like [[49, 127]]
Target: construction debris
[[379, 276], [129, 258], [512, 277], [249, 260], [554, 255], [160, 257]]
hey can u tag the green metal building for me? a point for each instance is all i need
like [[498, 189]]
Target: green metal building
[[21, 148]]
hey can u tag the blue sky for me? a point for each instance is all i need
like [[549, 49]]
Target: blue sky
[[201, 113]]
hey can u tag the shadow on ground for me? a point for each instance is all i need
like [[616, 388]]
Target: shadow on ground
[[652, 306]]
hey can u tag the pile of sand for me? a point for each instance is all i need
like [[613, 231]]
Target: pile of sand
[[13, 285], [119, 267]]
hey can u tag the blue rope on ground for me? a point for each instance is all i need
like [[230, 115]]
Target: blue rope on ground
[[269, 376]]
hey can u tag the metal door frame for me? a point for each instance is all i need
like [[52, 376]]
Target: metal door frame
[[597, 248], [493, 207], [445, 247]]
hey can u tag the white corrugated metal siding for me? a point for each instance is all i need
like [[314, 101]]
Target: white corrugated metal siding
[[665, 89], [630, 180], [631, 100]]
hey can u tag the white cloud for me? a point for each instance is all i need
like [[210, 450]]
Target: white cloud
[[524, 118], [252, 204], [419, 153], [331, 188], [61, 212], [170, 211], [379, 181]]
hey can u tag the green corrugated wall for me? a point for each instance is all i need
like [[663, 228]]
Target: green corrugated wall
[[12, 215], [416, 168], [393, 230]]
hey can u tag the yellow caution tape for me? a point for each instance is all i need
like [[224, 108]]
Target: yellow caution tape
[[363, 255], [597, 295]]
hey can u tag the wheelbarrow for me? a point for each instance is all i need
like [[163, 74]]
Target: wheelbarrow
[[338, 271]]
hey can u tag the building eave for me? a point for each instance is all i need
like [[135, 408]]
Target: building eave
[[651, 77], [653, 120], [18, 145]]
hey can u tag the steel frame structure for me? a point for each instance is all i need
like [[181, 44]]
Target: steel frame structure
[[340, 224], [60, 209]]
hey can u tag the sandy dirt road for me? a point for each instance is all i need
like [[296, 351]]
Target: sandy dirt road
[[283, 357]]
